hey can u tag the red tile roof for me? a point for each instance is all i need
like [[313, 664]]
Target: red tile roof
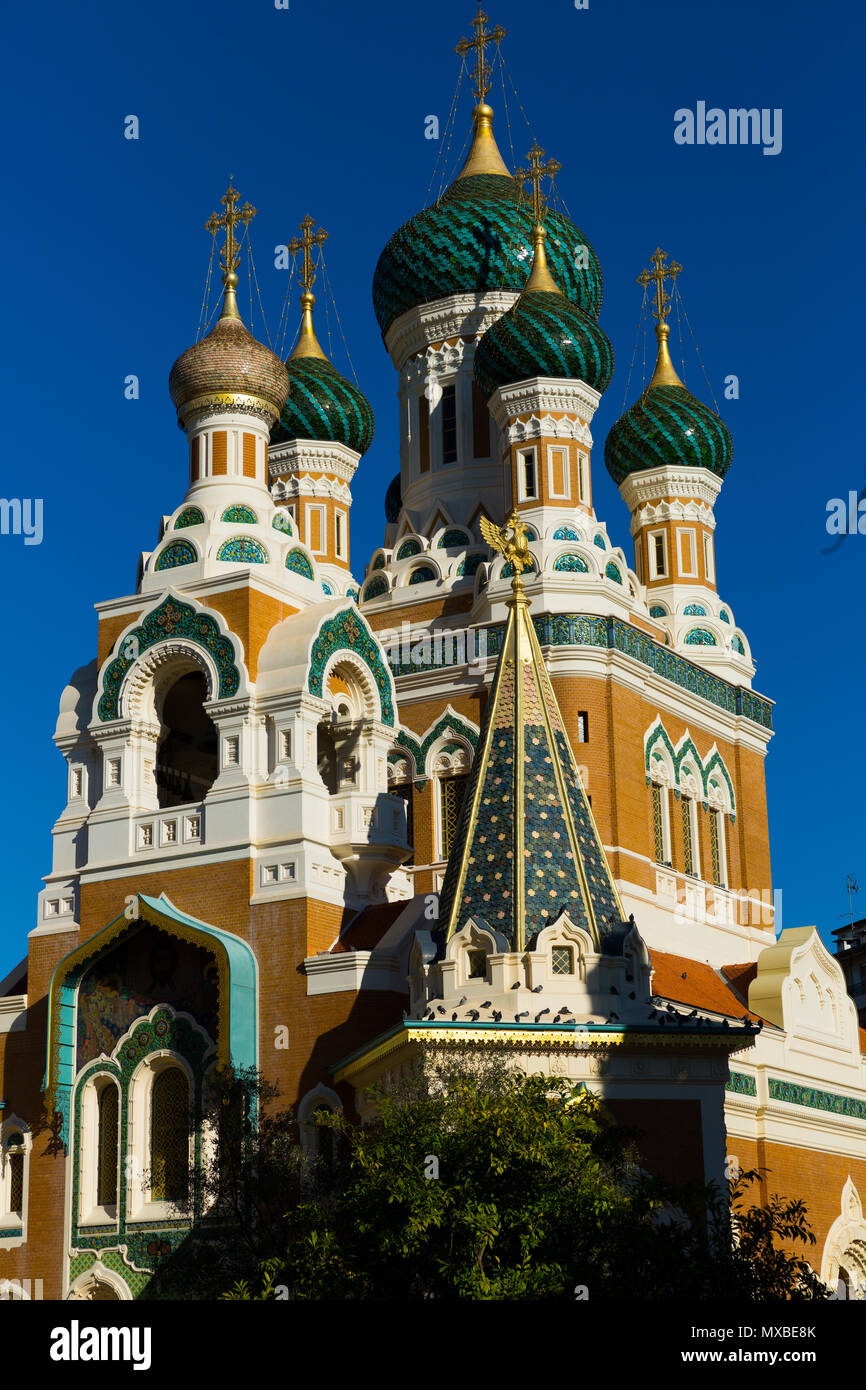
[[692, 982]]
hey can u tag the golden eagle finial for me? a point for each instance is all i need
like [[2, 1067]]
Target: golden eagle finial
[[515, 547]]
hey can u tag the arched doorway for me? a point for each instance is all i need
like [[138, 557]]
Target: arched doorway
[[187, 760]]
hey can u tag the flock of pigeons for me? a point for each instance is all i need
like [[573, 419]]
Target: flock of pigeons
[[661, 1016]]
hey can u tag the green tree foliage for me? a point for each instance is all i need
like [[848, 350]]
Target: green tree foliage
[[482, 1183]]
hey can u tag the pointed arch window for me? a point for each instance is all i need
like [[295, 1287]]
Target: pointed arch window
[[451, 793], [661, 823], [690, 838], [108, 1112], [718, 848], [14, 1159], [169, 1136]]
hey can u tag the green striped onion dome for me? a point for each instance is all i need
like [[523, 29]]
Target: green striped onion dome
[[322, 404], [543, 334], [478, 237], [668, 426]]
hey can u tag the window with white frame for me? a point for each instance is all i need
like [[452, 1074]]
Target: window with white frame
[[688, 554], [658, 554], [112, 772], [583, 478], [527, 481], [15, 1143], [691, 855], [709, 562], [448, 413], [340, 534], [661, 823], [557, 471], [315, 525], [159, 1166], [718, 848]]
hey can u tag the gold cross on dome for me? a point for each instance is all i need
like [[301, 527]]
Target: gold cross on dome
[[230, 254], [659, 273], [305, 242], [481, 76], [534, 174]]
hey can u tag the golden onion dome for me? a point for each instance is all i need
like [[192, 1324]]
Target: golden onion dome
[[228, 370]]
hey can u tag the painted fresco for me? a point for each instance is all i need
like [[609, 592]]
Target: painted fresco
[[148, 968]]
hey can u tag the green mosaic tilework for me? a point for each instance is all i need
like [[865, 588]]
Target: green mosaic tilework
[[171, 619], [583, 630], [322, 404], [478, 237], [741, 1084], [347, 630], [828, 1101], [668, 426], [543, 334]]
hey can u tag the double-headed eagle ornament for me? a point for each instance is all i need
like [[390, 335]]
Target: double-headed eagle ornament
[[515, 547]]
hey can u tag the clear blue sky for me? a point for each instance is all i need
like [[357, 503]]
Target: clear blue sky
[[321, 108]]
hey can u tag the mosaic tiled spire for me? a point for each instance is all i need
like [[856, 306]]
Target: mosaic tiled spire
[[527, 845]]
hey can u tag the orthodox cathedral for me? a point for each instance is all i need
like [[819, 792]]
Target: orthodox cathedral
[[504, 794]]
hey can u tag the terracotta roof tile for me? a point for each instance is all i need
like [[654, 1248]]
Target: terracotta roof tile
[[692, 982]]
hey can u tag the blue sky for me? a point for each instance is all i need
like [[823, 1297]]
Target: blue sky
[[321, 108]]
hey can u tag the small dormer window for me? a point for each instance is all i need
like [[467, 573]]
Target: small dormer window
[[477, 965], [562, 960]]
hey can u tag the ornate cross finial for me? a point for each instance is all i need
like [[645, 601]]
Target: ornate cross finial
[[305, 242], [659, 273], [534, 174], [231, 252], [481, 76]]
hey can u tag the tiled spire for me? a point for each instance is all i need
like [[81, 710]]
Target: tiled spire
[[527, 845]]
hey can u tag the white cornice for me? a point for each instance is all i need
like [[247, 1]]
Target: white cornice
[[547, 427], [541, 395], [305, 485], [456, 316], [666, 484], [321, 456], [650, 514]]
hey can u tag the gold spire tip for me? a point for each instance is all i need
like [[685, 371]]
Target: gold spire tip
[[481, 76], [230, 253], [308, 344], [662, 271], [540, 278]]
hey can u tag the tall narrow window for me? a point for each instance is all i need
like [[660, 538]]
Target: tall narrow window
[[340, 534], [527, 486], [448, 406], [658, 555], [659, 838], [404, 790], [480, 424], [717, 848], [583, 479], [709, 565], [14, 1157], [689, 855], [169, 1136], [106, 1184], [423, 435], [687, 554], [451, 793]]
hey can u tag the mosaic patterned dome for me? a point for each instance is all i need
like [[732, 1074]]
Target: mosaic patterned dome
[[667, 426], [322, 404], [229, 361], [477, 237], [543, 334]]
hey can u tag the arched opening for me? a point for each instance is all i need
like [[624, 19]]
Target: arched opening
[[169, 1136], [108, 1136], [187, 759], [14, 1158], [339, 732]]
